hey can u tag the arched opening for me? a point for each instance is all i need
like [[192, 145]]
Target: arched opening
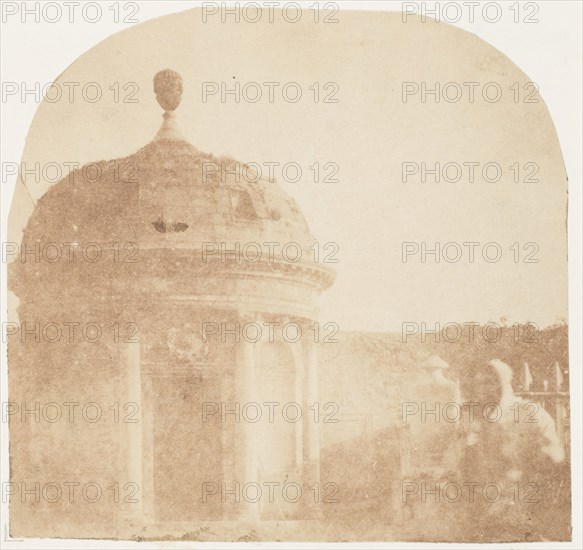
[[276, 373]]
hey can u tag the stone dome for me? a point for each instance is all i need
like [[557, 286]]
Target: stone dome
[[168, 195], [185, 212]]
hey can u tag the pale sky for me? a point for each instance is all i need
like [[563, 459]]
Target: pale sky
[[369, 133]]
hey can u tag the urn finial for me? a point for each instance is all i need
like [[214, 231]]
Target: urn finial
[[168, 89]]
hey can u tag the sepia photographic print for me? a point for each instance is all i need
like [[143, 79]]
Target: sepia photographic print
[[290, 272]]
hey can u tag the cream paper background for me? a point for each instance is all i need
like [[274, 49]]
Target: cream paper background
[[254, 138]]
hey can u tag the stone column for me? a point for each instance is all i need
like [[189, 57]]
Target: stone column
[[311, 436], [147, 426], [131, 417], [296, 349], [246, 432], [299, 375]]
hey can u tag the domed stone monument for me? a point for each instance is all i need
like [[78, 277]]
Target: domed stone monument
[[198, 279]]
